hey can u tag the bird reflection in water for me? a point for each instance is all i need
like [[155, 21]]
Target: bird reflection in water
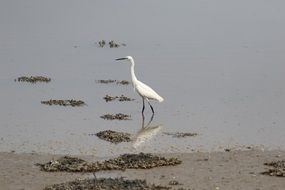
[[146, 132]]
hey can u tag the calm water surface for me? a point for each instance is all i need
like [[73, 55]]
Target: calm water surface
[[220, 65]]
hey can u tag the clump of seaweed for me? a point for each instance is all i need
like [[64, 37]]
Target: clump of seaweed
[[105, 81], [108, 98], [66, 163], [174, 182], [106, 183], [118, 116], [123, 162], [33, 79], [181, 135], [278, 169], [114, 137], [111, 43], [121, 98], [122, 82], [71, 102], [102, 43]]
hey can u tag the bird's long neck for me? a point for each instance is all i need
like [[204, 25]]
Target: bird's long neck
[[134, 78]]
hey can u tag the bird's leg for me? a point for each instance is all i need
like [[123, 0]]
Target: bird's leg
[[143, 106], [151, 107], [95, 178], [150, 120], [142, 120]]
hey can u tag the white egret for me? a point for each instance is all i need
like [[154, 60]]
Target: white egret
[[146, 92]]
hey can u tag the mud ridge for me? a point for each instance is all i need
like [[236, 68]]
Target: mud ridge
[[123, 162], [106, 183]]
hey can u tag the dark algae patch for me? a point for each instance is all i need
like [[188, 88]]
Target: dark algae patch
[[143, 161], [125, 161], [113, 136], [118, 116], [111, 44], [108, 81], [174, 182], [123, 82], [181, 135], [121, 98], [33, 79], [66, 163], [102, 43], [105, 81], [278, 169], [106, 184], [108, 98], [71, 102]]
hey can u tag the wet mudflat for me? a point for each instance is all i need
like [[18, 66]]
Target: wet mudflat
[[106, 184], [233, 72], [216, 170], [225, 82], [123, 162], [126, 161]]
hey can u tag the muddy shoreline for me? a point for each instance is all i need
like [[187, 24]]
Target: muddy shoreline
[[216, 170]]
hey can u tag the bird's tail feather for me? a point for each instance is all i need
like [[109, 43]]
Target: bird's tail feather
[[160, 99]]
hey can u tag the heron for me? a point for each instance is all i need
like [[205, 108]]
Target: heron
[[146, 92]]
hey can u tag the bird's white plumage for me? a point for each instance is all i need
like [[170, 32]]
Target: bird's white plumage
[[146, 92]]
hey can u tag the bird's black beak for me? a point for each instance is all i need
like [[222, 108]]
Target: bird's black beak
[[121, 59]]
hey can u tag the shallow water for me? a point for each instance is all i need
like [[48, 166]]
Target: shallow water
[[219, 66]]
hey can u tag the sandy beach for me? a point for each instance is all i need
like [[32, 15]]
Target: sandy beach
[[216, 170]]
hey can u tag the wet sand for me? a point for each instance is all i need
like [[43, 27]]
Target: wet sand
[[216, 170]]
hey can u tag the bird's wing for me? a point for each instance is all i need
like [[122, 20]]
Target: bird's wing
[[146, 91]]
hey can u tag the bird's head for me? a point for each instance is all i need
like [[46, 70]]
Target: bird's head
[[126, 58]]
